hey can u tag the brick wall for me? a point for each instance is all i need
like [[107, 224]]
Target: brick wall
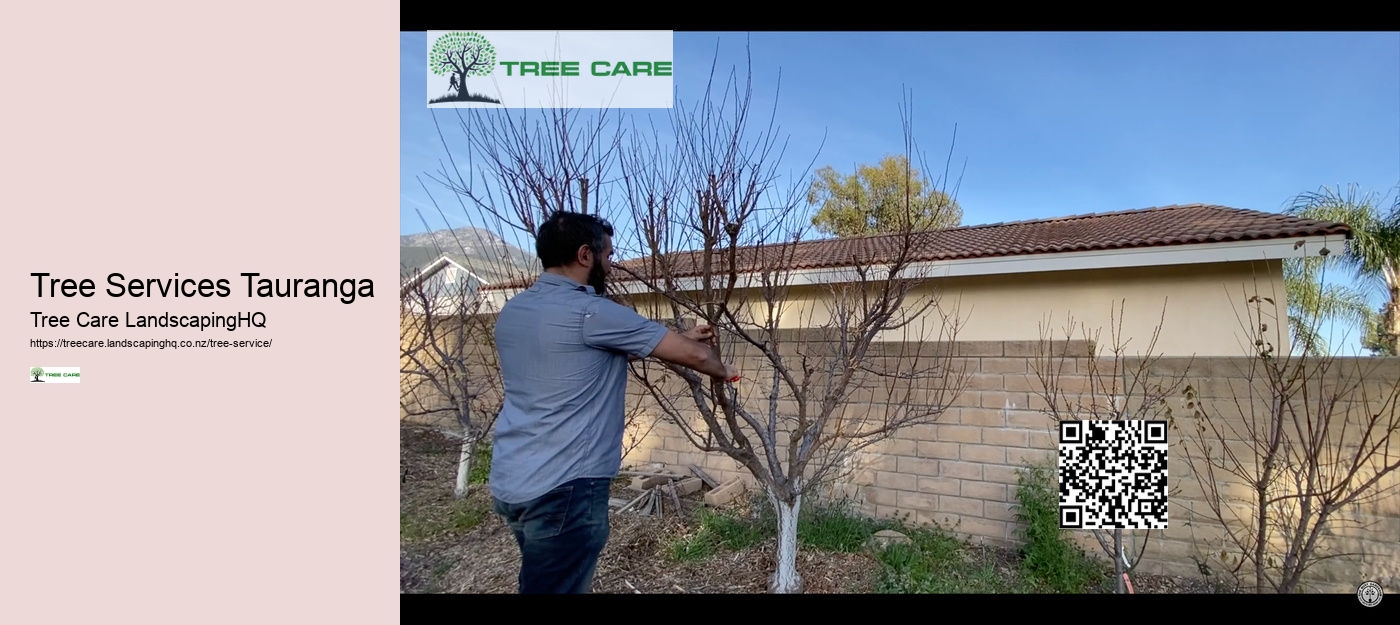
[[961, 471]]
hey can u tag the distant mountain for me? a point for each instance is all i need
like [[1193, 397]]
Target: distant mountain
[[480, 251]]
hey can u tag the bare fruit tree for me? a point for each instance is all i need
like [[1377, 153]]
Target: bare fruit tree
[[1114, 385], [447, 359], [507, 171], [831, 363], [697, 212], [1306, 441], [511, 173]]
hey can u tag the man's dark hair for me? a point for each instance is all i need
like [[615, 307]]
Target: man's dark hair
[[564, 232]]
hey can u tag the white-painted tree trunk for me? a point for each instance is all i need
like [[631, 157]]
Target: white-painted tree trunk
[[786, 579], [464, 465]]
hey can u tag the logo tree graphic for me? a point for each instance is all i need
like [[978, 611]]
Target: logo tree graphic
[[459, 55], [36, 372]]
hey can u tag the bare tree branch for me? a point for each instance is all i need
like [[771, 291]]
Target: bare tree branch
[[1311, 437]]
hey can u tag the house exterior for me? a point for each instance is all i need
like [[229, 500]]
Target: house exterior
[[960, 470], [1189, 268], [444, 279], [443, 286]]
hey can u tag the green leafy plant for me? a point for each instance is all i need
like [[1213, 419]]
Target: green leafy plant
[[936, 562], [715, 530], [1048, 557], [481, 466]]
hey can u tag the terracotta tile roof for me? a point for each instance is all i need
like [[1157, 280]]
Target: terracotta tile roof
[[1149, 227]]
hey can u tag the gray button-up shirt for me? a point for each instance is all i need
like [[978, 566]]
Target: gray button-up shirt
[[563, 357]]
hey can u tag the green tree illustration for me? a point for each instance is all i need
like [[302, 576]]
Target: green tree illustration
[[459, 55], [36, 372]]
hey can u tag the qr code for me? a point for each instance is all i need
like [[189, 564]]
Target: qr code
[[1113, 474]]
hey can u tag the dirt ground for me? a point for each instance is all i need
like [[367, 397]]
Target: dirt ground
[[468, 549]]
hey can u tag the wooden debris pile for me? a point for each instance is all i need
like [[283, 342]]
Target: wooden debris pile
[[661, 491]]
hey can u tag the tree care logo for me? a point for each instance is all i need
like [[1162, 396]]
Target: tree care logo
[[52, 375], [549, 69], [461, 55]]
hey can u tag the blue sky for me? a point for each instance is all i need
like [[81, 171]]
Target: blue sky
[[1048, 123], [1058, 123]]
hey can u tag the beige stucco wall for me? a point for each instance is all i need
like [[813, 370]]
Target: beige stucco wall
[[1206, 306]]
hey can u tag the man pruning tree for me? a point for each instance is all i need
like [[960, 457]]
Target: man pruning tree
[[558, 441]]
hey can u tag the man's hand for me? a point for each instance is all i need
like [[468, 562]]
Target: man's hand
[[701, 333], [731, 373], [706, 334], [695, 349]]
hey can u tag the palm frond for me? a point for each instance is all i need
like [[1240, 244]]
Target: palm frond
[[1375, 244]]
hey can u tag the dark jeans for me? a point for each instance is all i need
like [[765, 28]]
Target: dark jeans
[[560, 535]]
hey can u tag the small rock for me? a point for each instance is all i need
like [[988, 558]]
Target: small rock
[[884, 538]]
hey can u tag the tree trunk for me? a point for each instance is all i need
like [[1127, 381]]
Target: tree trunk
[[461, 84], [1392, 322], [1118, 570], [1261, 537], [786, 579], [464, 465]]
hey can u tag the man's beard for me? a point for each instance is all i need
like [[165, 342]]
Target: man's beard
[[596, 279]]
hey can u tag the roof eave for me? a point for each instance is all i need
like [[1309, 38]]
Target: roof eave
[[1200, 253]]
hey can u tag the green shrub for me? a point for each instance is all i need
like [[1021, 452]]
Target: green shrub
[[1048, 557], [481, 463], [936, 562]]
